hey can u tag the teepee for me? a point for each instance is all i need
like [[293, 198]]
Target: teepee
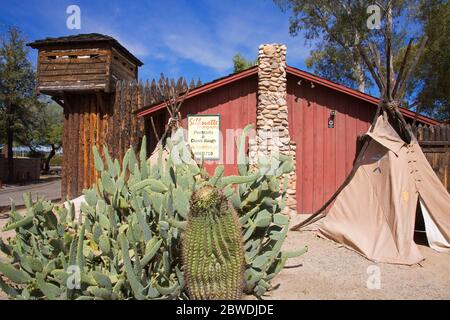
[[375, 213], [374, 210]]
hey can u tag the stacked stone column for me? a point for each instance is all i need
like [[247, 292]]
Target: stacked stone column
[[272, 125]]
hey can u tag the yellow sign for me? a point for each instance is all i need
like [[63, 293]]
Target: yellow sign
[[204, 136]]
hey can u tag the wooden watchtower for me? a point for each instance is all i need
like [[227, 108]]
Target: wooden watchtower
[[80, 73]]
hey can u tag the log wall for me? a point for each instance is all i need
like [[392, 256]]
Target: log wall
[[74, 69], [97, 119]]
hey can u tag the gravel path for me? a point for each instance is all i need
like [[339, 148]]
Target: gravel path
[[50, 190]]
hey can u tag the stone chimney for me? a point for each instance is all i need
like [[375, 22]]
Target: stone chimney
[[272, 125]]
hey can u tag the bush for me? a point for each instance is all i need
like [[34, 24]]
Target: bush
[[56, 160]]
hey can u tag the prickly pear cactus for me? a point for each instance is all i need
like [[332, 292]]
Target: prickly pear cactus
[[127, 241], [213, 252]]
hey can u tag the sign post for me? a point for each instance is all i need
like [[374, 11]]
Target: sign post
[[204, 136]]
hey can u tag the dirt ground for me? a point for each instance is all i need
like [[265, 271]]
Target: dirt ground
[[330, 271]]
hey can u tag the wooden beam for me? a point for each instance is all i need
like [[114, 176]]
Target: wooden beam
[[66, 101], [402, 69], [100, 101]]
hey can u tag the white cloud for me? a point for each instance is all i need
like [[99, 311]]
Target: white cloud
[[173, 33], [199, 49], [214, 44]]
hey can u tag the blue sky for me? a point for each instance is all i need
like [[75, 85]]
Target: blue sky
[[195, 39]]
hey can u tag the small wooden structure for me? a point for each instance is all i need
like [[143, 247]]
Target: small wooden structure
[[82, 63], [81, 74]]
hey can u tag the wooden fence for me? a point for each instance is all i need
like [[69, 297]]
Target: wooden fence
[[435, 143], [105, 119]]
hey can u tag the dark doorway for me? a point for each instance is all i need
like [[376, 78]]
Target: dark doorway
[[420, 236]]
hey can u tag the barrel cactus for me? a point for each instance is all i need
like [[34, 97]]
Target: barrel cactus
[[213, 252]]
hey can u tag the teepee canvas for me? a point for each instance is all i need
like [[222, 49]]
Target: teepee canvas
[[375, 212]]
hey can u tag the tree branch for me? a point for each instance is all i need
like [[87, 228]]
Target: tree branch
[[372, 71], [377, 60]]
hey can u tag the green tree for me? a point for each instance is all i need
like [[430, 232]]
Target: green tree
[[44, 129], [431, 85], [337, 28], [49, 133], [17, 82], [333, 62], [241, 64]]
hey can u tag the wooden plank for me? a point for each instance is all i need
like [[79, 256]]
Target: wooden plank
[[73, 85], [70, 153], [75, 141], [118, 75], [109, 86], [86, 143], [318, 136], [350, 137], [329, 169], [73, 72], [444, 133], [300, 125], [134, 138], [72, 78], [81, 145], [72, 52], [341, 143], [127, 119], [295, 115], [92, 132], [308, 151], [434, 143], [121, 57], [437, 133], [118, 66], [65, 143], [90, 45], [98, 142], [435, 149], [116, 121], [72, 61], [101, 66]]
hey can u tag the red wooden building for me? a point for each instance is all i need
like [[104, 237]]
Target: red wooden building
[[324, 154]]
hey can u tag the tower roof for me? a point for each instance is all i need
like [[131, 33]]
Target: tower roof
[[84, 39]]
